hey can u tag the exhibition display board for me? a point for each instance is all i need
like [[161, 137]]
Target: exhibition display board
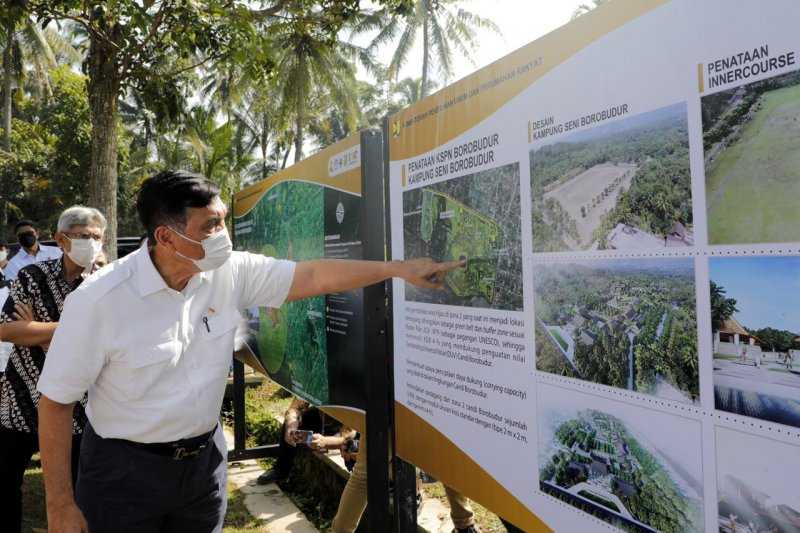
[[315, 348], [620, 349]]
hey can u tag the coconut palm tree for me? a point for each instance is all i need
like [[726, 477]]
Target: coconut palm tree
[[219, 152], [29, 53], [409, 90], [445, 28], [310, 68]]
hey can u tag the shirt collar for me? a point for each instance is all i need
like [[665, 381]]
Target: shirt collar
[[149, 280]]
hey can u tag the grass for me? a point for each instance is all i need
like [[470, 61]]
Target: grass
[[34, 514], [486, 520], [238, 518], [726, 357], [599, 500], [753, 184], [554, 332]]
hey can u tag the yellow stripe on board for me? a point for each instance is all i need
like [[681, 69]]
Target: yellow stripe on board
[[454, 110], [426, 447], [312, 170], [701, 82]]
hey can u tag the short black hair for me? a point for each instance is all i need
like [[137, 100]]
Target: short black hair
[[23, 223], [164, 198]]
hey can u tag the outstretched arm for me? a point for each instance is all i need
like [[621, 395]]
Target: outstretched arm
[[326, 276]]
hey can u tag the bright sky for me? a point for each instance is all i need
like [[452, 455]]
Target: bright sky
[[764, 289], [520, 21]]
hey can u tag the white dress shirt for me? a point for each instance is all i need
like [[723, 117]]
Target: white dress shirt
[[23, 259], [154, 360]]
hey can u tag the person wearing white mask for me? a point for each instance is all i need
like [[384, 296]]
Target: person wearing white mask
[[150, 338], [28, 320]]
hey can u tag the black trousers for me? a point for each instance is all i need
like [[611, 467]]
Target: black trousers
[[16, 450], [125, 489]]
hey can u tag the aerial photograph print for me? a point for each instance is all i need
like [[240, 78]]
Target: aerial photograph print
[[475, 218], [756, 484], [625, 323], [639, 470], [624, 185], [751, 137], [288, 223], [756, 336]]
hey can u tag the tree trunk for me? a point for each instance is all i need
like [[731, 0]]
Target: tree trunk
[[103, 88], [426, 50], [298, 138], [286, 157], [264, 145], [7, 79]]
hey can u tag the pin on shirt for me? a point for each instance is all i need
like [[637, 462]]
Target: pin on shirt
[[211, 312]]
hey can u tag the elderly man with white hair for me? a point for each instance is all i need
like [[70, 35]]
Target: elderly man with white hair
[[28, 320]]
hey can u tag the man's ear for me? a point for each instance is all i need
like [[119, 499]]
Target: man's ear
[[62, 241], [164, 237]]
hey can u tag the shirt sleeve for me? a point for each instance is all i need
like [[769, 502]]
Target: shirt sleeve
[[12, 268], [18, 292], [263, 281], [75, 357]]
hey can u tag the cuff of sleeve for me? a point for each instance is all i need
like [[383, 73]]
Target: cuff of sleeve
[[58, 394], [286, 275]]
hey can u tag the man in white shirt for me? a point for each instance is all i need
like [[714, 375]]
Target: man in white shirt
[[30, 251], [150, 337]]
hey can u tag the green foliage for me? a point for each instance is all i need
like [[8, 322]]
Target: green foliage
[[262, 426], [722, 307], [445, 28], [775, 340], [47, 167]]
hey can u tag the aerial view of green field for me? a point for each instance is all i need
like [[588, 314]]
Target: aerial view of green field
[[475, 218], [752, 160], [288, 222], [624, 185], [629, 324], [637, 469]]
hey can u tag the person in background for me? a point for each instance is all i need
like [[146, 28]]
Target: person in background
[[354, 497], [3, 262], [5, 347], [299, 417], [30, 251], [28, 320]]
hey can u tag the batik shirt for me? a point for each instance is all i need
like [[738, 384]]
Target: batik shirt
[[43, 287]]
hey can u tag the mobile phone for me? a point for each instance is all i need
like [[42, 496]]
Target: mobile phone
[[302, 436]]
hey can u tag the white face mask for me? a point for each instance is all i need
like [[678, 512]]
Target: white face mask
[[84, 251], [217, 249], [3, 255]]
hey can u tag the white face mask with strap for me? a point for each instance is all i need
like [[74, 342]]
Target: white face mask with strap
[[84, 251], [217, 249]]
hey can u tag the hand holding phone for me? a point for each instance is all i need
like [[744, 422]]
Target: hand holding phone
[[301, 436]]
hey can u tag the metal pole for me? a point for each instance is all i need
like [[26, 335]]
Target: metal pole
[[378, 406]]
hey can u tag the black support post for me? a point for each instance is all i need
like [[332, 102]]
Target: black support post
[[378, 399]]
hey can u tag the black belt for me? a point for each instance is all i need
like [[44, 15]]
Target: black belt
[[179, 449]]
